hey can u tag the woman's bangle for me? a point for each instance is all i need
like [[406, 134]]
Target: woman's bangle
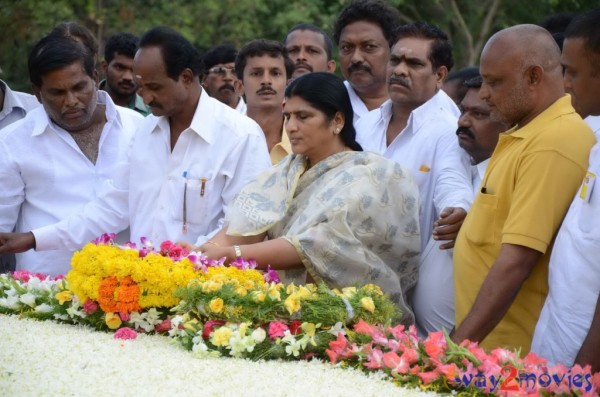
[[238, 251]]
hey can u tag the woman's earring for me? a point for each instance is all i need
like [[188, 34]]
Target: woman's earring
[[337, 130]]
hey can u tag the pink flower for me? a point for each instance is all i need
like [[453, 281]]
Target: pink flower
[[428, 377], [105, 239], [338, 348], [365, 328], [374, 359], [271, 276], [90, 307], [534, 360], [411, 356], [164, 326], [24, 276], [435, 345], [396, 363], [124, 316], [125, 333], [277, 329]]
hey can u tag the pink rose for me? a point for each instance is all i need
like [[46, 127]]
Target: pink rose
[[124, 316], [164, 326], [125, 333], [90, 307]]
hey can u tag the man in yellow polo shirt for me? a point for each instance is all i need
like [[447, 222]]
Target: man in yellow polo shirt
[[501, 254]]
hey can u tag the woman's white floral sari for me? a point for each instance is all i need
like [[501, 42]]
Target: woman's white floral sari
[[353, 218]]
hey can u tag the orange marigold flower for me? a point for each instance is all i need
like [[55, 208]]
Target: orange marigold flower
[[119, 295]]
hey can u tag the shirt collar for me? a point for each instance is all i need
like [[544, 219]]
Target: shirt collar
[[42, 124], [203, 121], [11, 101], [559, 108]]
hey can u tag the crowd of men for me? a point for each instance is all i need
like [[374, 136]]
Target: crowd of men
[[504, 161]]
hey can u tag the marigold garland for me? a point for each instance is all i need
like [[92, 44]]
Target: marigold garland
[[119, 295]]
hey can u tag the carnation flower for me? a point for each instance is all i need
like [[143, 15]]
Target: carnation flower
[[125, 333]]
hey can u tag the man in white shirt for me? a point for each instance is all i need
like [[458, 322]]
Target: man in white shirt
[[14, 105], [310, 48], [416, 128], [362, 32], [193, 155], [62, 155], [568, 330], [220, 79]]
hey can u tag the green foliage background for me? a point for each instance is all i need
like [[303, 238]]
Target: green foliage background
[[207, 22]]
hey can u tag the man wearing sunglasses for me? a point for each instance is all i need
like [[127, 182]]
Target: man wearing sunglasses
[[220, 80]]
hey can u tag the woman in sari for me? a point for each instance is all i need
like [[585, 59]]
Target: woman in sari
[[328, 212]]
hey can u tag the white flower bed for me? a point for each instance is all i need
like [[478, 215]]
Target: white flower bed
[[49, 359]]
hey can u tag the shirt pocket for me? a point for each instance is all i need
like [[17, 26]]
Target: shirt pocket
[[482, 229], [190, 199]]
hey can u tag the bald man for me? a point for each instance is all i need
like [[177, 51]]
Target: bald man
[[501, 254]]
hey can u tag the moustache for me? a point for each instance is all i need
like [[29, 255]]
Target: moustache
[[358, 67], [227, 86], [399, 80], [303, 65], [466, 131], [267, 90]]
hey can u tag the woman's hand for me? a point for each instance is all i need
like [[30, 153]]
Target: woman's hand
[[215, 251]]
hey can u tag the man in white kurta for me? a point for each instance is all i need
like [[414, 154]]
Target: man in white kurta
[[46, 175], [426, 144], [194, 153], [568, 329]]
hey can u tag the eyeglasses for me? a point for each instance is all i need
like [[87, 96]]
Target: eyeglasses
[[222, 70]]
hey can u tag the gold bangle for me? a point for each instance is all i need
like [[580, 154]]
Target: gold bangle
[[238, 251]]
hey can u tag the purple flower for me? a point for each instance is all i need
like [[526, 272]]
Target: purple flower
[[105, 239], [271, 276]]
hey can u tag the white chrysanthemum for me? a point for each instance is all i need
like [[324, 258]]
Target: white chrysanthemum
[[151, 364], [43, 308], [28, 299]]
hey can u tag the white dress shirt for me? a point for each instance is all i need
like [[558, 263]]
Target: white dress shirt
[[359, 107], [241, 106], [429, 148], [574, 275], [220, 152], [16, 105], [477, 173], [46, 180]]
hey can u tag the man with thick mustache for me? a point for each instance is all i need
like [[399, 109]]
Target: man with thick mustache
[[477, 132], [362, 33], [220, 79], [416, 128], [264, 68], [310, 48], [118, 69], [61, 157]]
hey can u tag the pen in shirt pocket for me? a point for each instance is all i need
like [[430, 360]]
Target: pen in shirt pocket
[[184, 215], [203, 186]]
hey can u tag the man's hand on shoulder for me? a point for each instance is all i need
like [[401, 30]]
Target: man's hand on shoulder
[[16, 242]]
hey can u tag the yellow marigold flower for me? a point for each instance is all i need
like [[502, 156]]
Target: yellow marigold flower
[[292, 303], [221, 336], [64, 296], [258, 296], [373, 288], [112, 320], [216, 305], [349, 292], [248, 284], [241, 291], [368, 304], [211, 286]]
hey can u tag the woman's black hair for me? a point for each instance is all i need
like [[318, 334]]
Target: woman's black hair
[[326, 92]]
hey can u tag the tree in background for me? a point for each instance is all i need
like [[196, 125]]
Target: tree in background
[[468, 23]]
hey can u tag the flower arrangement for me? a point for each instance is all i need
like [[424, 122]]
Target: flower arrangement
[[238, 311]]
